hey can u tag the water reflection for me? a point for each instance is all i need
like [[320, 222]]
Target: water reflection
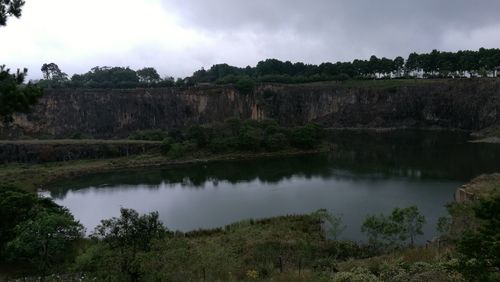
[[409, 154], [364, 173]]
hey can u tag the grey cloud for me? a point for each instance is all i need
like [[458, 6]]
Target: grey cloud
[[315, 31]]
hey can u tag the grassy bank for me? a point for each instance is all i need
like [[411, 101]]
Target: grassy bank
[[35, 176]]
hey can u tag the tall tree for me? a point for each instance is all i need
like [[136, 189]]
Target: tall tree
[[45, 239], [14, 95], [480, 249], [123, 239], [148, 75], [399, 63], [10, 8], [52, 71]]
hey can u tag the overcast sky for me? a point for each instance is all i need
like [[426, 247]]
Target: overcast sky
[[178, 37]]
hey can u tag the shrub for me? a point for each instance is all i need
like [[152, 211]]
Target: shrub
[[306, 137], [149, 135], [245, 85], [219, 145], [276, 142], [166, 144], [178, 150], [199, 135]]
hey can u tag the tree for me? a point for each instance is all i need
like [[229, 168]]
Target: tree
[[381, 231], [395, 229], [10, 8], [45, 240], [332, 223], [399, 63], [480, 249], [14, 95], [410, 221], [306, 137], [126, 238], [52, 72], [53, 76], [148, 75]]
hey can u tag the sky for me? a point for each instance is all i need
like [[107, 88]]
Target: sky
[[178, 37]]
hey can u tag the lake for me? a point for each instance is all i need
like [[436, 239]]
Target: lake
[[365, 173]]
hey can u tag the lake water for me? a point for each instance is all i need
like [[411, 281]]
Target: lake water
[[366, 173]]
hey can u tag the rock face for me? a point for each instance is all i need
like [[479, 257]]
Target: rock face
[[469, 104]]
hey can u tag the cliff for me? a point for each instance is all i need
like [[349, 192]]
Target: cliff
[[469, 104]]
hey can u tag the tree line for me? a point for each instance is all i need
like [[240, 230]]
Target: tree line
[[436, 64]]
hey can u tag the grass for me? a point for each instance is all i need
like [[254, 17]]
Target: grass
[[484, 185]]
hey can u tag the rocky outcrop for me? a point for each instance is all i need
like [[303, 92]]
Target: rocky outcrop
[[103, 113]]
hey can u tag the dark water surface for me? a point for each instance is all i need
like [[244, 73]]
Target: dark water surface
[[366, 173]]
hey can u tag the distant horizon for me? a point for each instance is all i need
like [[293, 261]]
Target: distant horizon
[[165, 76]]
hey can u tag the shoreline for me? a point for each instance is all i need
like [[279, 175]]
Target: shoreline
[[33, 177]]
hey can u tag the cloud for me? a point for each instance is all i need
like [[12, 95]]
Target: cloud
[[180, 36]]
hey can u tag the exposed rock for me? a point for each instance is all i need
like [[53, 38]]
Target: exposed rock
[[470, 104]]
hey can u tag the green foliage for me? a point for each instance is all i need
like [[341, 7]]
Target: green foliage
[[199, 135], [306, 137], [45, 240], [178, 150], [443, 226], [386, 232], [121, 244], [275, 142], [14, 95], [10, 8], [463, 219], [480, 249], [356, 275], [35, 231], [435, 64], [16, 207], [332, 224], [149, 135], [234, 135], [410, 222], [53, 76], [245, 85], [148, 75], [166, 145]]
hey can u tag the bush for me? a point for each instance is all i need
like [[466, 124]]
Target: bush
[[276, 142], [166, 144], [245, 85], [306, 137], [219, 145], [149, 135], [250, 138], [178, 150], [199, 135]]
